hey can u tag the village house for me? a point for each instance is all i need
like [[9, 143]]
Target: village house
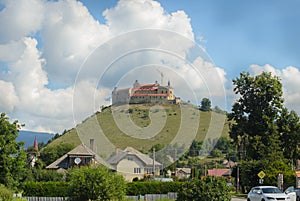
[[183, 173], [216, 172], [134, 164], [79, 156]]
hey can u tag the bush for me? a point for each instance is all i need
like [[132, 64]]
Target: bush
[[96, 183], [152, 187], [209, 188], [250, 169], [46, 189], [5, 193]]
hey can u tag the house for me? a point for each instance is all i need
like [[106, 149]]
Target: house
[[183, 173], [219, 172], [134, 164], [79, 156], [144, 93]]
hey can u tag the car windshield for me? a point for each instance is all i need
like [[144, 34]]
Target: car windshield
[[271, 190]]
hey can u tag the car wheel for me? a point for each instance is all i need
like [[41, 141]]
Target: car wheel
[[248, 199], [298, 198], [262, 199]]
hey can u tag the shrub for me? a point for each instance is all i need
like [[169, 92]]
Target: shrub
[[96, 183], [209, 188], [250, 169], [46, 189], [5, 193], [152, 187]]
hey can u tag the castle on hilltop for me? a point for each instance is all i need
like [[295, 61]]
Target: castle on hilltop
[[145, 93]]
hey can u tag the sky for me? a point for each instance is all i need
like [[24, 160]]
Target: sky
[[60, 60]]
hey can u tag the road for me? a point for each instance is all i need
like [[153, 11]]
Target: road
[[238, 199]]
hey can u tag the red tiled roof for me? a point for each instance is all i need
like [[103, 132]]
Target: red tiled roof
[[218, 172]]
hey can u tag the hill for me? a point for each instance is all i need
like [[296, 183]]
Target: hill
[[177, 128], [28, 137]]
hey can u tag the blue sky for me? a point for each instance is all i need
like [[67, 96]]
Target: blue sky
[[237, 33], [45, 47]]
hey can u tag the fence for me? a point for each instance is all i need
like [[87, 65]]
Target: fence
[[46, 198], [153, 197], [147, 197]]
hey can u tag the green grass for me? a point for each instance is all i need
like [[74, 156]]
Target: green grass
[[140, 116]]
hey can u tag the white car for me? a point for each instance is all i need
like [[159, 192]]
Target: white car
[[269, 193]]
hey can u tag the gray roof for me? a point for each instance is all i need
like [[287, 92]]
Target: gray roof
[[131, 151], [80, 150]]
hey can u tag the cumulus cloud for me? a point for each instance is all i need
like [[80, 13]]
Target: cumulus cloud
[[48, 43], [8, 98], [20, 18], [290, 78], [140, 14]]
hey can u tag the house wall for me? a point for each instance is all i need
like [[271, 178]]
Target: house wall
[[131, 167]]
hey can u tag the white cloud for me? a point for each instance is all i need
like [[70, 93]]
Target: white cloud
[[44, 42], [140, 14], [20, 18], [8, 98], [290, 78]]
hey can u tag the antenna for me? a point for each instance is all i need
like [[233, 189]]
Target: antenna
[[161, 76]]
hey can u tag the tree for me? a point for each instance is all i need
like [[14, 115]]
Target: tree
[[255, 116], [12, 154], [50, 153], [96, 183], [205, 105], [289, 130]]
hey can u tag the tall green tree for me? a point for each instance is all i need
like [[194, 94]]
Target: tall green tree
[[255, 116], [205, 105], [289, 130], [12, 154]]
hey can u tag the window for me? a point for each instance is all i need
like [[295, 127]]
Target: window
[[129, 158], [149, 170], [137, 170]]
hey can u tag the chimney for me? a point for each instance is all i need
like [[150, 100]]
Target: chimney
[[92, 144]]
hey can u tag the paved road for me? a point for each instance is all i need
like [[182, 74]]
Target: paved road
[[238, 199]]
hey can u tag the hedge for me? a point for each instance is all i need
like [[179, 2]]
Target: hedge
[[154, 187], [46, 189]]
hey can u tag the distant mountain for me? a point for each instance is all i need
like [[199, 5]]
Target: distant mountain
[[28, 137]]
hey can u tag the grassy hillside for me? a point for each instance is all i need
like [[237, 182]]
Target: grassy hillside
[[178, 125]]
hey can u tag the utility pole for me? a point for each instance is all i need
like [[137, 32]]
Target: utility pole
[[175, 160], [153, 162]]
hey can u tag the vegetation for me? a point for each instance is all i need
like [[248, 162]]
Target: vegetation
[[209, 188], [205, 105], [255, 115], [46, 189], [152, 187], [140, 116], [12, 155], [5, 193], [50, 153], [250, 169], [96, 183], [266, 134]]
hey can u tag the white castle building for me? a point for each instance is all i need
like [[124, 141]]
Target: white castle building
[[144, 93]]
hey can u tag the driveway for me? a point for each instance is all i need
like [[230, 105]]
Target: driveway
[[238, 199]]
